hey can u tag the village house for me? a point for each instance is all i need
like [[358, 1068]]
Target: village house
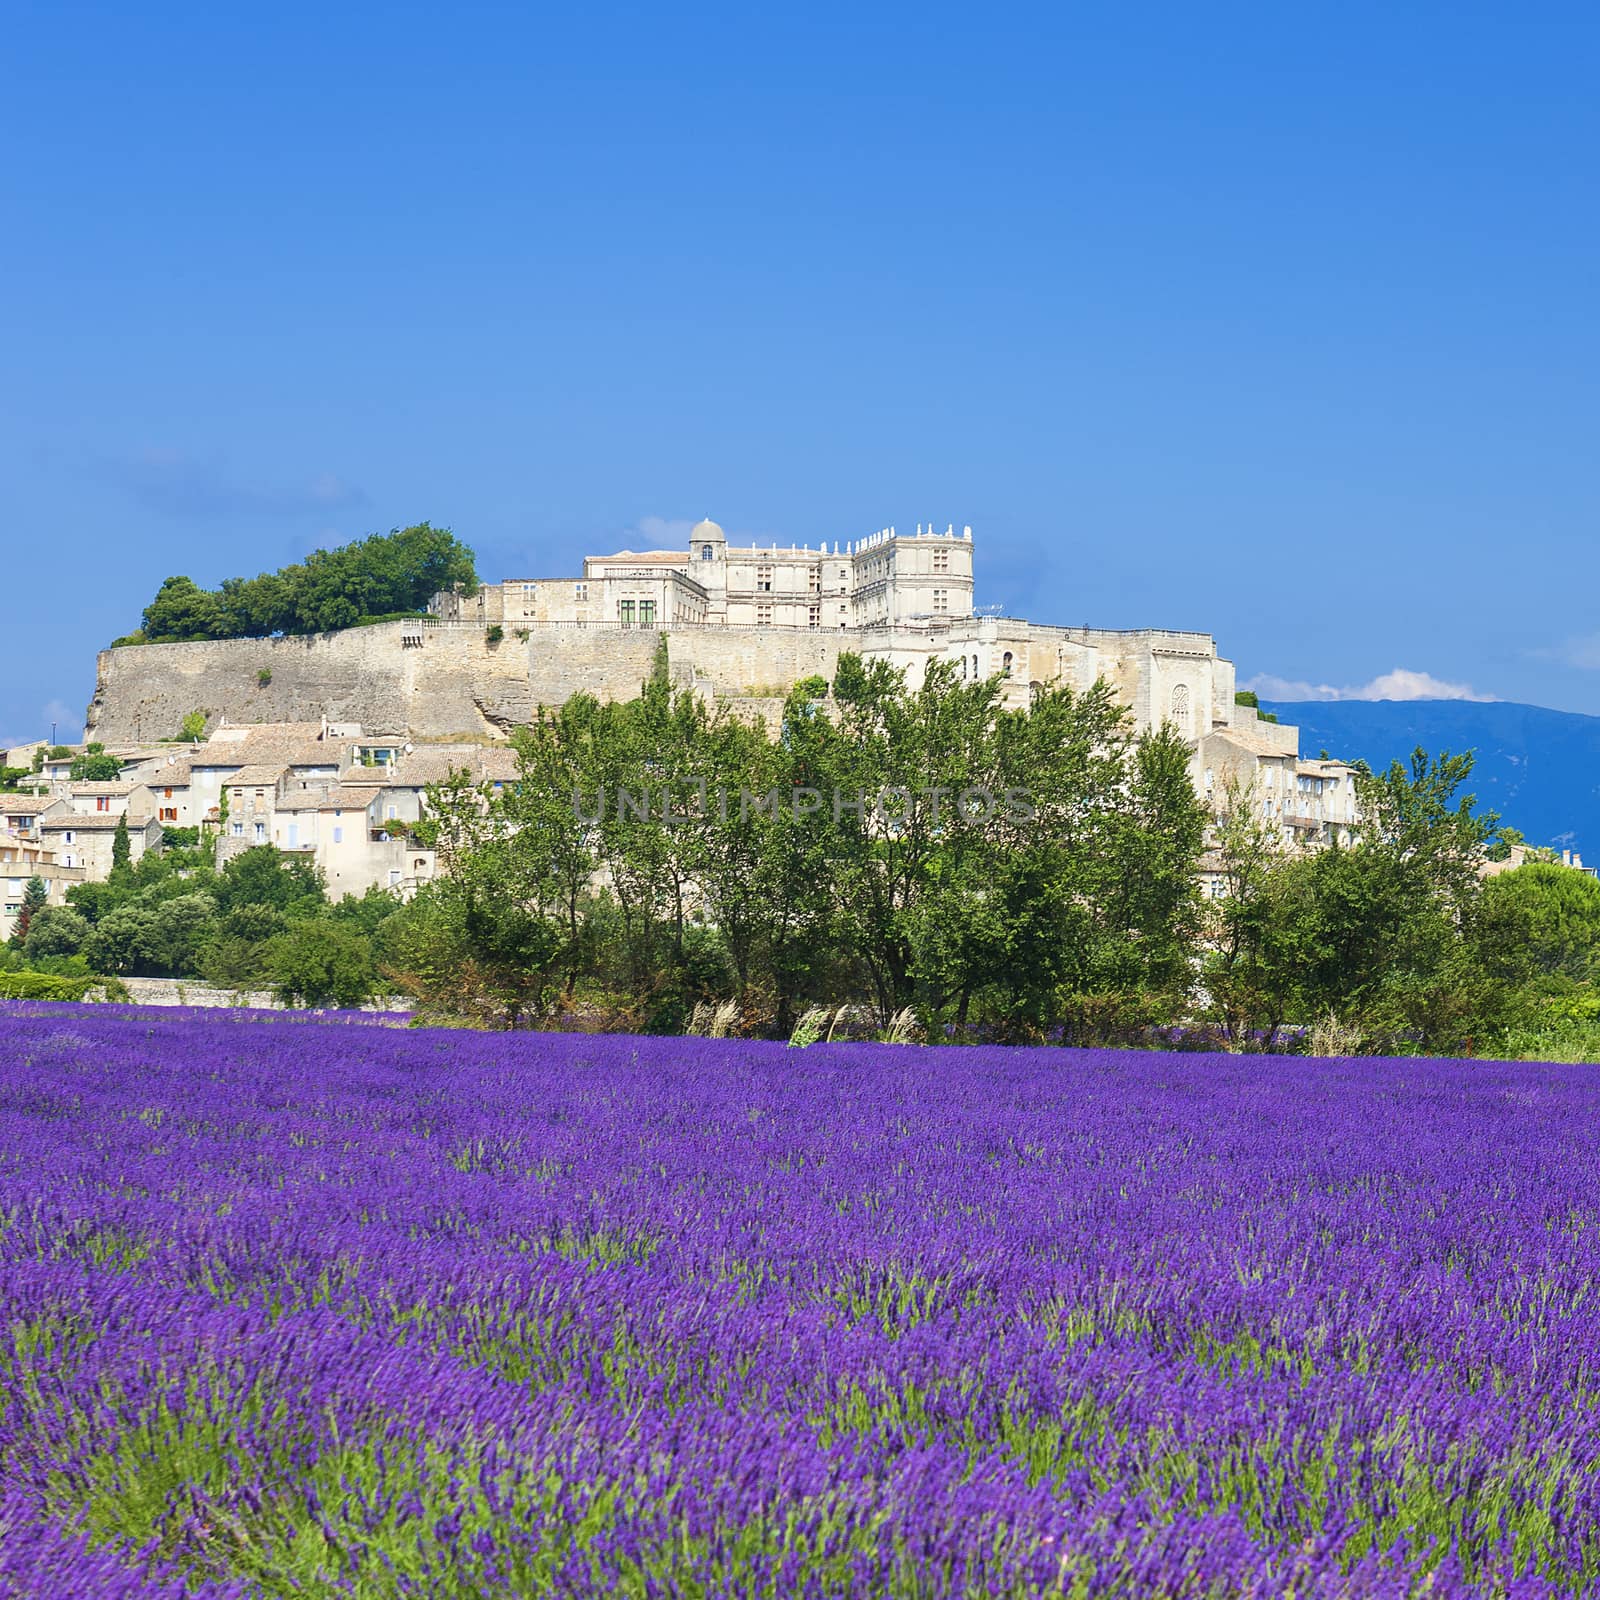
[[22, 859], [167, 775], [86, 841], [20, 813], [109, 799], [357, 851]]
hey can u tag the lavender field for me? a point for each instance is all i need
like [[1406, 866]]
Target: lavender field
[[319, 1307]]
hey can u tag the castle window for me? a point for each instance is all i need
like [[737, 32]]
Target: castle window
[[1005, 665], [941, 600], [764, 579], [941, 560], [1180, 707], [705, 552], [625, 612], [580, 591], [647, 613], [764, 616], [814, 617]]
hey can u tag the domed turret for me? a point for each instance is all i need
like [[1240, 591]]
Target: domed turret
[[707, 541]]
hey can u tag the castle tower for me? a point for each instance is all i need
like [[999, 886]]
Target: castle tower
[[708, 566]]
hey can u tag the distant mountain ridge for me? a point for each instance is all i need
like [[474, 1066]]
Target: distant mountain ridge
[[1540, 769]]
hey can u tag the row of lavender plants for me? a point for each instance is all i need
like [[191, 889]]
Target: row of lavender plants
[[300, 1309]]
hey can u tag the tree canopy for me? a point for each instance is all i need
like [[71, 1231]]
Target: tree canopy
[[387, 574]]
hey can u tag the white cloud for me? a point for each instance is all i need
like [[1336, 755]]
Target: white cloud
[[1582, 652], [1402, 683]]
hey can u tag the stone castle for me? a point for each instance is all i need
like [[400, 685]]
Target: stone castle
[[740, 625]]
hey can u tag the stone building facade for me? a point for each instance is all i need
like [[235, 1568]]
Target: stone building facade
[[737, 625], [887, 578]]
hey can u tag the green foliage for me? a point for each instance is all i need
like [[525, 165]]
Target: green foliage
[[263, 677], [320, 963], [55, 931], [153, 939], [95, 766], [266, 876], [776, 897], [35, 895], [10, 777], [1247, 697], [494, 633], [393, 573], [193, 727], [1541, 921], [1382, 936], [57, 752], [121, 846], [54, 986]]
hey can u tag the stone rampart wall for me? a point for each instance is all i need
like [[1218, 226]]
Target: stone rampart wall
[[450, 681]]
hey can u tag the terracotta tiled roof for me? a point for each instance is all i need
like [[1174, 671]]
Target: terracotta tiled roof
[[93, 822], [350, 797], [258, 777]]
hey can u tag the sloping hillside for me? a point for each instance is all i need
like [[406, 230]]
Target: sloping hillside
[[1540, 769]]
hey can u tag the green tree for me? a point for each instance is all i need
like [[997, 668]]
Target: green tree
[[193, 727], [1260, 928], [181, 610], [55, 931], [320, 963], [95, 766], [35, 895], [153, 939], [121, 846], [266, 876], [386, 574], [1540, 921]]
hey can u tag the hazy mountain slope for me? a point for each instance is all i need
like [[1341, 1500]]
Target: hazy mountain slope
[[1539, 769]]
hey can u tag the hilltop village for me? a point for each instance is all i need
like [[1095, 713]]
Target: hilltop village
[[324, 745]]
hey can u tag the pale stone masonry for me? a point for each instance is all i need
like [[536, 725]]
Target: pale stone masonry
[[736, 624], [24, 858], [888, 578]]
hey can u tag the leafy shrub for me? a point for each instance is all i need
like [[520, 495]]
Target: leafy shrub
[[48, 986]]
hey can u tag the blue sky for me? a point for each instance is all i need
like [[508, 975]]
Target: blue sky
[[1276, 322]]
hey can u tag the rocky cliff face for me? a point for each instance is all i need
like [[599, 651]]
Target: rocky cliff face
[[433, 682]]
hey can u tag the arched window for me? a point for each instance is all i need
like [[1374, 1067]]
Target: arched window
[[1180, 707], [1005, 665], [974, 666], [705, 552]]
